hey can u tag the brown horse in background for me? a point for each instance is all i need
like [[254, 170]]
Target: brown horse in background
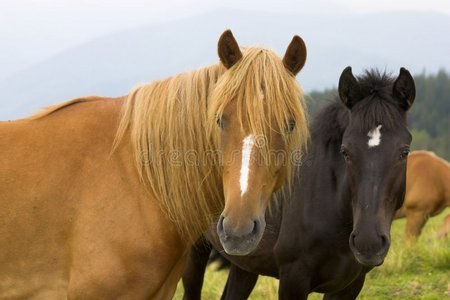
[[427, 191], [81, 219]]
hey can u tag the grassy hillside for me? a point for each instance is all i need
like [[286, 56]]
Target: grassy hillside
[[421, 271]]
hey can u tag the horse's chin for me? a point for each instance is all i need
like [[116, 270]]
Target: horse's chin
[[240, 246], [370, 261]]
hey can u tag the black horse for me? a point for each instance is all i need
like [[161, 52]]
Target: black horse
[[335, 225]]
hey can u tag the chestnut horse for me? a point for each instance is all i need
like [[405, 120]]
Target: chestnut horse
[[335, 225], [101, 198], [427, 191]]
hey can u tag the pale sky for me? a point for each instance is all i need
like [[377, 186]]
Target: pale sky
[[32, 30]]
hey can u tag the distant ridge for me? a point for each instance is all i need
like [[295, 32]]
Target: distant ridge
[[113, 64]]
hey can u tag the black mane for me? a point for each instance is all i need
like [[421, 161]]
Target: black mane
[[330, 122]]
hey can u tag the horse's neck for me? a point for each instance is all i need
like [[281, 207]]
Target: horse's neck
[[320, 191], [339, 201]]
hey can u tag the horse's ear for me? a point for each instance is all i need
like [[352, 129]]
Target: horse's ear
[[228, 49], [295, 56], [349, 90], [404, 89]]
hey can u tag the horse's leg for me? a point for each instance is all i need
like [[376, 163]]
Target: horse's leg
[[195, 270], [350, 292], [167, 291], [239, 285], [294, 282], [415, 220]]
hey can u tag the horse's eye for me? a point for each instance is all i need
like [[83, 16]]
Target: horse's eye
[[219, 122], [290, 126], [345, 153], [404, 153]]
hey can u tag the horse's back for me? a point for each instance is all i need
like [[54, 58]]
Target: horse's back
[[427, 178], [39, 155]]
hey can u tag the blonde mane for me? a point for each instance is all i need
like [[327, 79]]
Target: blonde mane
[[174, 134]]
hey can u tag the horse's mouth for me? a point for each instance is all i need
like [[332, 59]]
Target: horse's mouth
[[239, 245], [369, 260]]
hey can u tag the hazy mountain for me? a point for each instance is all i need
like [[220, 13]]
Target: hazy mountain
[[112, 65]]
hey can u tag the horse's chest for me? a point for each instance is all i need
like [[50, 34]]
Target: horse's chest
[[33, 286], [336, 273]]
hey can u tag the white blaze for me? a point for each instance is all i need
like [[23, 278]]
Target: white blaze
[[247, 147], [374, 137]]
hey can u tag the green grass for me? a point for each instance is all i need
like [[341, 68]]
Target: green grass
[[421, 271]]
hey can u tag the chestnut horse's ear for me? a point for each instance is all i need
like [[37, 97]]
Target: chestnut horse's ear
[[404, 89], [295, 56], [228, 49], [349, 90]]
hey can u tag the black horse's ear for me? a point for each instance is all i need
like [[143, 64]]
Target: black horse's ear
[[228, 49], [295, 56], [349, 90], [404, 89]]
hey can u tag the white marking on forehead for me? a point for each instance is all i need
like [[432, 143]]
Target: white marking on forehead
[[374, 137], [247, 147]]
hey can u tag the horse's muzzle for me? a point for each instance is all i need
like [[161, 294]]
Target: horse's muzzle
[[369, 252], [240, 238]]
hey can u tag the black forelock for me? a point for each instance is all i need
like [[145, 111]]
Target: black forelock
[[375, 82], [376, 106]]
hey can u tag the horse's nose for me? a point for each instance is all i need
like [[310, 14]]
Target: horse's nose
[[240, 237], [228, 228], [369, 249], [378, 243]]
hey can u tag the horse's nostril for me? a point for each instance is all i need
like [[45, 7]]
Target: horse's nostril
[[255, 227], [384, 242], [352, 239], [220, 224]]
